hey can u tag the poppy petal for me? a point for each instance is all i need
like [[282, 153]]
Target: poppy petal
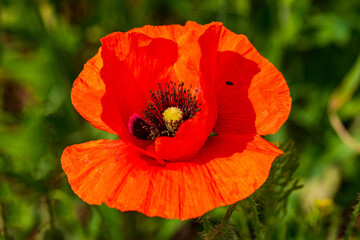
[[89, 88], [172, 32], [252, 94], [196, 67], [133, 65], [228, 169]]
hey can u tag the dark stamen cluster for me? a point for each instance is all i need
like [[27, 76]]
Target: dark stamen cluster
[[172, 95], [139, 128]]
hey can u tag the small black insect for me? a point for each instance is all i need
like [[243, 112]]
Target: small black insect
[[229, 83]]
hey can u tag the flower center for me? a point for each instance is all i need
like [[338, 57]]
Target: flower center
[[169, 107], [173, 118]]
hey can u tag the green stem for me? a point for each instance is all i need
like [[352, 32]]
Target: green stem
[[103, 226], [51, 215], [206, 224], [255, 218], [224, 226], [352, 221], [3, 219]]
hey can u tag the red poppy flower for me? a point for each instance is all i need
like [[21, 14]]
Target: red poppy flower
[[163, 90]]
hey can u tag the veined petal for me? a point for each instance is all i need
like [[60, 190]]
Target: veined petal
[[196, 67], [172, 32], [252, 94], [228, 169], [87, 91], [133, 65]]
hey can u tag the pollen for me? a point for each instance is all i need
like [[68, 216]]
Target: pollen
[[172, 114], [173, 118]]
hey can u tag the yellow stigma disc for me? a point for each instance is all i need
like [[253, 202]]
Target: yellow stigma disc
[[172, 114]]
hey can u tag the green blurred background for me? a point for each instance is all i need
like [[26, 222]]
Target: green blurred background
[[44, 45]]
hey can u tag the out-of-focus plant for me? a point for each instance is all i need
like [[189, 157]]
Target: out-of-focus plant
[[342, 95], [44, 45], [351, 224]]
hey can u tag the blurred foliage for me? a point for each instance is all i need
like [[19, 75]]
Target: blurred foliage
[[44, 44], [351, 224]]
